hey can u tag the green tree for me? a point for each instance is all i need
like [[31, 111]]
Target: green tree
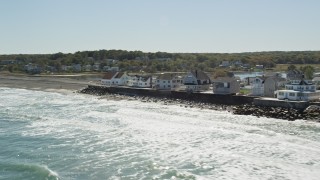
[[292, 67], [10, 68], [308, 71]]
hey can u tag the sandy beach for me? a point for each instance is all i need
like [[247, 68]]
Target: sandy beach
[[45, 83]]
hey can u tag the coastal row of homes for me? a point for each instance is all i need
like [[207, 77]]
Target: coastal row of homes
[[194, 81], [291, 88]]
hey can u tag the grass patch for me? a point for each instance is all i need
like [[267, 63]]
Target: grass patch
[[245, 91]]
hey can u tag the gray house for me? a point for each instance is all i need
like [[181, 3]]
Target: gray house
[[272, 84], [197, 81], [294, 75], [226, 85]]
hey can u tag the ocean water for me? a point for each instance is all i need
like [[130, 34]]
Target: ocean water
[[46, 135]]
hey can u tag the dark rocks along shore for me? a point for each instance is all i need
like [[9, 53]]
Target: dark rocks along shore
[[311, 113]]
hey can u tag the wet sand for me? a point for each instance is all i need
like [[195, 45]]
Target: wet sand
[[44, 83]]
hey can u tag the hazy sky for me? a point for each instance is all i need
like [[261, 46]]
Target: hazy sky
[[49, 26]]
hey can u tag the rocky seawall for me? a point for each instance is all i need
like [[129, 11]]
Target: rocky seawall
[[237, 105], [310, 113]]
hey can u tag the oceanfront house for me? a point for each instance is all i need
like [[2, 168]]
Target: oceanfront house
[[196, 81], [139, 81], [257, 86], [299, 90], [108, 78], [113, 78], [294, 75], [132, 81], [168, 81], [119, 79], [226, 85], [272, 84], [145, 81]]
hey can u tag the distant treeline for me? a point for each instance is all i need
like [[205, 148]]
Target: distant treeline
[[162, 61]]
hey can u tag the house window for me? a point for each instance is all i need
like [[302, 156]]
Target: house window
[[168, 81], [299, 94], [158, 80], [169, 85], [281, 93], [145, 83], [291, 94], [164, 81]]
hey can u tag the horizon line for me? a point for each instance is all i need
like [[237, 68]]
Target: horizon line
[[263, 51]]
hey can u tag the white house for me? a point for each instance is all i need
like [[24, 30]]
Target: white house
[[119, 79], [257, 86], [196, 81], [139, 81], [115, 79], [168, 81], [145, 81], [299, 90], [108, 78], [132, 81]]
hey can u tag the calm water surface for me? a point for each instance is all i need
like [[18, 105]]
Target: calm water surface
[[45, 135]]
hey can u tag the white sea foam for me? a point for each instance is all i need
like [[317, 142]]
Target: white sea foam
[[96, 138]]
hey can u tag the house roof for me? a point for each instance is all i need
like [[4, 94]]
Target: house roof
[[303, 82], [166, 76], [276, 78], [295, 71], [119, 75], [224, 79], [109, 75], [200, 75], [144, 78], [316, 79]]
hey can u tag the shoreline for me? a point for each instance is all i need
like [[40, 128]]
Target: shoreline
[[312, 113], [48, 83], [67, 85]]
